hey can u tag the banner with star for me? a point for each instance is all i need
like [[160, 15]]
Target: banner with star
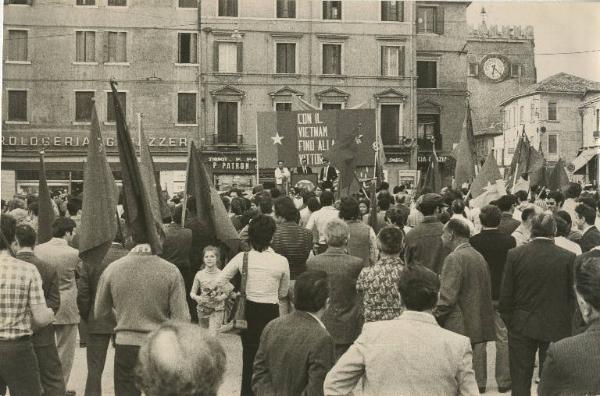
[[291, 136]]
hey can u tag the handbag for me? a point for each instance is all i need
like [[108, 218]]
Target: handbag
[[234, 313]]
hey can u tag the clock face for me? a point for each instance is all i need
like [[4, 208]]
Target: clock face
[[494, 68]]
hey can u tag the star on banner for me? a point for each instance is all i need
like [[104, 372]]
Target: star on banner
[[277, 139]]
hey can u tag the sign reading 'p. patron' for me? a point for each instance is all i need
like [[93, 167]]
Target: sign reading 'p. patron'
[[291, 136]]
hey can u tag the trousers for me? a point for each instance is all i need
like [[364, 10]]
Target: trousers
[[66, 342], [19, 368], [97, 346], [522, 350], [51, 373], [502, 359], [211, 322], [124, 376]]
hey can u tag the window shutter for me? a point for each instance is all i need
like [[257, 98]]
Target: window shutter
[[240, 57], [90, 46], [79, 46], [105, 46], [401, 61], [400, 6], [234, 7], [291, 9], [216, 56], [439, 28], [385, 7], [383, 49], [194, 48]]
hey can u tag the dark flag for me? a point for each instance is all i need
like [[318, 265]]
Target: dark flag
[[373, 209], [343, 156], [465, 153], [433, 177], [160, 208], [45, 208], [558, 178], [136, 194], [99, 221]]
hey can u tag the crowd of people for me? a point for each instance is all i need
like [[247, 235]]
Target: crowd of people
[[401, 303]]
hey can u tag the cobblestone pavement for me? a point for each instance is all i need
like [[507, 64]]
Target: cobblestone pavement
[[231, 385]]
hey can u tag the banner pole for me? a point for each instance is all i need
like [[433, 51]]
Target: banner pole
[[257, 162]]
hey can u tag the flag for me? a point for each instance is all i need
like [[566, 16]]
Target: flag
[[558, 178], [491, 192], [343, 155], [521, 185], [299, 104], [433, 177], [99, 221], [374, 208], [489, 174], [160, 208], [45, 208], [209, 205], [465, 153], [136, 193]]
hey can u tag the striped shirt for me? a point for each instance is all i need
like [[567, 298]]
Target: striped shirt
[[295, 243], [20, 289]]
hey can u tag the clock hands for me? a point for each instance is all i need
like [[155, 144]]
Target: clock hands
[[494, 70]]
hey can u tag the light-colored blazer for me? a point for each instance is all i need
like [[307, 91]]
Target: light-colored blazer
[[410, 355]]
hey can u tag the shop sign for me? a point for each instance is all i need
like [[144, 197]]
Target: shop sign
[[427, 158], [232, 163], [67, 141]]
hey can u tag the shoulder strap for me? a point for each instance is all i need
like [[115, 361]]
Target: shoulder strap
[[244, 274]]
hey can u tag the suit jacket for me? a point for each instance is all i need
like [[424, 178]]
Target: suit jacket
[[331, 174], [343, 317], [44, 336], [177, 247], [87, 285], [424, 245], [410, 355], [494, 246], [578, 324], [590, 239], [536, 297], [508, 225], [300, 171], [465, 304], [572, 365], [65, 261], [300, 367]]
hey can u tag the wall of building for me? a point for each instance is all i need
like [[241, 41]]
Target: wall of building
[[589, 114]]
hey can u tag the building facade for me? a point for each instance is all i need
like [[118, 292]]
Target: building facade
[[586, 163]]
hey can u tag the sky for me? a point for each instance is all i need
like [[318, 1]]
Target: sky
[[559, 26]]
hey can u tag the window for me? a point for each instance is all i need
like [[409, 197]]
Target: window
[[428, 126], [390, 124], [188, 3], [392, 11], [598, 119], [117, 3], [228, 8], [283, 106], [116, 47], [83, 106], [332, 59], [473, 69], [186, 108], [392, 61], [23, 2], [552, 111], [515, 70], [430, 20], [17, 105], [286, 8], [227, 122], [17, 45], [286, 58], [86, 2], [426, 74], [532, 112], [187, 50], [332, 10], [553, 145], [110, 107], [331, 106], [228, 57], [85, 46], [521, 115], [506, 119]]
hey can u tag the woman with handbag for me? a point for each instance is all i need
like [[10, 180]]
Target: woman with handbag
[[265, 285]]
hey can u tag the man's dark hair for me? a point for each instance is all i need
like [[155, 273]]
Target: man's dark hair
[[397, 189], [73, 206], [390, 239], [349, 209], [275, 193], [587, 281], [521, 196], [306, 195], [55, 193], [177, 214], [397, 215], [34, 207], [62, 226], [284, 207], [458, 228], [587, 212], [25, 235], [311, 291], [562, 227], [557, 196], [527, 213], [8, 225], [573, 190], [384, 200], [505, 202], [458, 206], [313, 204], [260, 232], [237, 206], [565, 216], [589, 201], [384, 186], [327, 198], [419, 287], [543, 225], [264, 203]]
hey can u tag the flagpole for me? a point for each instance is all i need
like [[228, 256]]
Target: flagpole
[[256, 140], [185, 186], [139, 124]]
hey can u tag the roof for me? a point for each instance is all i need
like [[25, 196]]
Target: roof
[[558, 83]]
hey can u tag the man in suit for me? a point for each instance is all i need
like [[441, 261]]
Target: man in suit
[[300, 367], [65, 261], [328, 173], [465, 304], [304, 169], [100, 329], [585, 218], [494, 246], [536, 300], [508, 224], [410, 355], [176, 250], [572, 364], [44, 343], [343, 318], [423, 243]]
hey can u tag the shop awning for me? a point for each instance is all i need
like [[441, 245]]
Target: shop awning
[[583, 158]]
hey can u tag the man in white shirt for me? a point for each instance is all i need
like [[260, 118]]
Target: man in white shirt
[[318, 220], [282, 176], [562, 232], [523, 231]]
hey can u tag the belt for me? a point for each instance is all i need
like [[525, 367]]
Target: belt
[[18, 339]]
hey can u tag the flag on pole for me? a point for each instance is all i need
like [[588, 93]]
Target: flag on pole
[[45, 208], [433, 177], [558, 178], [99, 221], [465, 153], [299, 104], [136, 193], [488, 184], [343, 156]]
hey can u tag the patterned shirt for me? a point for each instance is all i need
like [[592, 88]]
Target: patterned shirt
[[20, 289], [378, 285]]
